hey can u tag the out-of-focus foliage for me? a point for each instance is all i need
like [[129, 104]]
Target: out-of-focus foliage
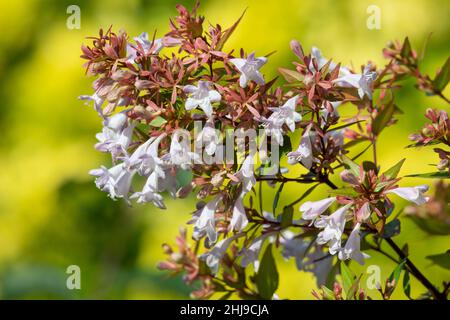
[[51, 214]]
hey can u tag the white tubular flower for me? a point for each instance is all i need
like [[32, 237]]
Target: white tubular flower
[[246, 174], [180, 153], [284, 114], [352, 247], [116, 181], [114, 142], [206, 223], [239, 219], [304, 152], [166, 179], [311, 210], [149, 193], [249, 69], [116, 135], [209, 137], [201, 96], [363, 82], [145, 158], [333, 226], [213, 257], [148, 46], [413, 194]]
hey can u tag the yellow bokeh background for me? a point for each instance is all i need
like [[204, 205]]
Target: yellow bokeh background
[[51, 214]]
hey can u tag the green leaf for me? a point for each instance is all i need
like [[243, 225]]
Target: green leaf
[[267, 277], [406, 48], [383, 118], [443, 77], [392, 172], [352, 166], [407, 284], [395, 275], [391, 229], [343, 192], [442, 260], [381, 185], [158, 121], [431, 175], [184, 177], [286, 217], [347, 277], [277, 198], [327, 293]]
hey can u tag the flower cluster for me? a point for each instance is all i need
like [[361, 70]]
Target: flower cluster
[[154, 94], [436, 132]]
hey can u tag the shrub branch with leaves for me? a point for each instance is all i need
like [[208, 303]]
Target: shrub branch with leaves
[[150, 92]]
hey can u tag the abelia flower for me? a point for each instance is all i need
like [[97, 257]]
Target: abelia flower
[[149, 194], [352, 248], [116, 136], [311, 210], [413, 194], [201, 96], [239, 219], [363, 82], [213, 257], [116, 181], [145, 158], [180, 152], [209, 137], [206, 222], [249, 69], [246, 174], [333, 228], [284, 114], [304, 152]]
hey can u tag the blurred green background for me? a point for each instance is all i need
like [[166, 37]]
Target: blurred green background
[[51, 214]]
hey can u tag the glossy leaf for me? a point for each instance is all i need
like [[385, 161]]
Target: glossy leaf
[[431, 175], [267, 276], [352, 166], [392, 172], [443, 77], [347, 277]]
